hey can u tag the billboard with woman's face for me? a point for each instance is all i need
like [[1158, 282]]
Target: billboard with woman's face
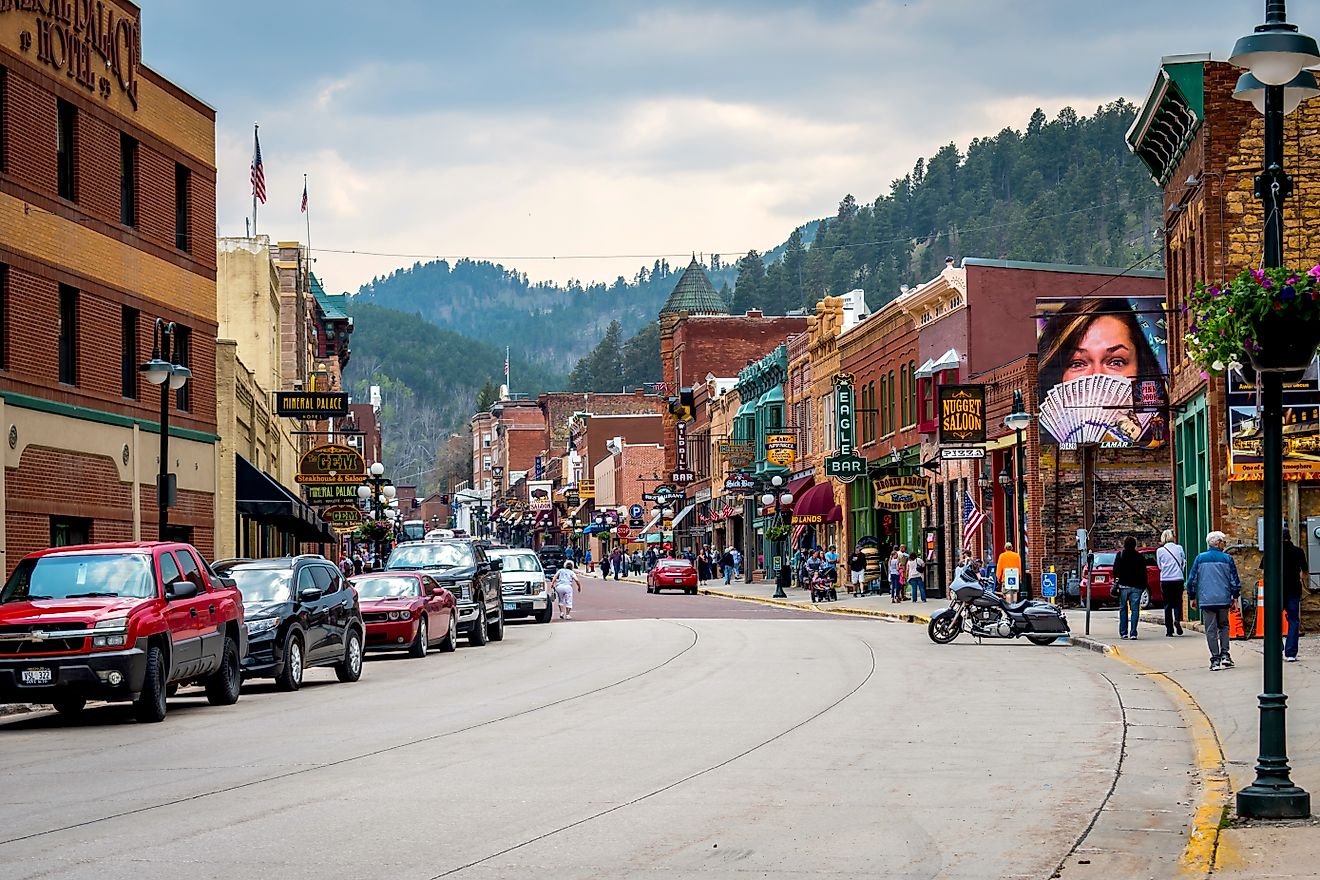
[[1103, 371]]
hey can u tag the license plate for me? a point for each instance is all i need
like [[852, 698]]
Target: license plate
[[37, 676], [510, 606]]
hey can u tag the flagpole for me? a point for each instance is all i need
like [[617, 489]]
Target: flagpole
[[255, 126]]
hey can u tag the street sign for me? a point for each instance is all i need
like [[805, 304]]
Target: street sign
[[1049, 585], [1011, 579], [845, 468], [636, 511], [962, 453], [636, 523], [311, 404], [331, 463], [624, 533]]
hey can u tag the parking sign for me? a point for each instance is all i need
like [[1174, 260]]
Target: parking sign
[[1049, 585]]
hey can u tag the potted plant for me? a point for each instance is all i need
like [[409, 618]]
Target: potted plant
[[375, 530], [1270, 317]]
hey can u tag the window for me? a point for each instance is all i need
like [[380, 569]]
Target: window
[[485, 440], [4, 110], [128, 356], [890, 405], [68, 348], [66, 134], [4, 313], [926, 402], [305, 579], [169, 569], [485, 462], [128, 154], [903, 395], [188, 566], [183, 357], [66, 531], [324, 578], [182, 206], [912, 392], [884, 416]]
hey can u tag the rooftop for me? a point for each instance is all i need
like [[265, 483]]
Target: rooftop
[[695, 294]]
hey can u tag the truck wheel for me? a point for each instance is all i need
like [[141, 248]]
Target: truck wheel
[[422, 642], [70, 705], [497, 628], [149, 707], [291, 676], [450, 643], [546, 615], [350, 668], [223, 685], [479, 635]]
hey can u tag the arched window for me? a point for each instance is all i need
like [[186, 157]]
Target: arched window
[[892, 395], [912, 392], [903, 395], [884, 415]]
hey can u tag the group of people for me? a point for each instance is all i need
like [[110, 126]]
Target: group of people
[[709, 562]]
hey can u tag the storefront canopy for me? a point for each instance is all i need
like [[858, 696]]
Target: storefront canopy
[[818, 501], [651, 525], [683, 514], [264, 500], [774, 395]]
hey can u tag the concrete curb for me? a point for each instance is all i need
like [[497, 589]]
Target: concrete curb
[[822, 607]]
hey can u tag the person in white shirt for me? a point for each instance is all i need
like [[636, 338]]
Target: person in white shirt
[[1172, 561], [565, 580], [916, 576]]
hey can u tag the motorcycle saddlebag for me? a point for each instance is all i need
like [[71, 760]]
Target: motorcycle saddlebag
[[1046, 620]]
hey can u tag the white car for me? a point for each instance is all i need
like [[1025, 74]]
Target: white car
[[523, 584]]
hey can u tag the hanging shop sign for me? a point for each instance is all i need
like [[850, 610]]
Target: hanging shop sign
[[316, 405], [342, 517], [962, 414], [845, 468], [739, 484], [901, 493], [682, 473], [962, 453], [586, 489], [331, 463], [539, 494], [737, 454], [1301, 431], [332, 493], [781, 449], [845, 465]]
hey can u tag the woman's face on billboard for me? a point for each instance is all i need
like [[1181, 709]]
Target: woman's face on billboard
[[1107, 346]]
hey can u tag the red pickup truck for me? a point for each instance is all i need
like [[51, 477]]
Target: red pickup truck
[[119, 622]]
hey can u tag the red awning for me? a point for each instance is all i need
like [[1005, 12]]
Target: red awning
[[817, 505], [800, 485]]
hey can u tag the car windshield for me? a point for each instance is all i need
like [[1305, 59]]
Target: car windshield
[[519, 561], [81, 576], [1105, 559], [262, 584], [431, 555], [386, 586]]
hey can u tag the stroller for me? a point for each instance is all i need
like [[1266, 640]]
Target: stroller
[[822, 588]]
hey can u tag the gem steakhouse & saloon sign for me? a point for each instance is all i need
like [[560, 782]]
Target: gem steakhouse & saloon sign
[[331, 463]]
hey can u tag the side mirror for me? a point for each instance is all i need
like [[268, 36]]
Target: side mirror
[[311, 594], [438, 591], [497, 565], [180, 589]]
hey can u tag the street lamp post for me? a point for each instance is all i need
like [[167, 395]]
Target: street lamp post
[[780, 500], [1018, 421], [161, 370], [379, 494], [1276, 56]]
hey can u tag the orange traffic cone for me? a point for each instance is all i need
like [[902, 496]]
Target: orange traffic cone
[[1260, 609]]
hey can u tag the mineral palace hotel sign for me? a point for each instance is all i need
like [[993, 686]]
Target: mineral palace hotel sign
[[94, 43]]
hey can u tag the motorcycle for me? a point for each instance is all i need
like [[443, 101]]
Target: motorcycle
[[976, 609]]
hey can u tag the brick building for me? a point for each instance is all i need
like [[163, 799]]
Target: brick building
[[107, 223], [1205, 149]]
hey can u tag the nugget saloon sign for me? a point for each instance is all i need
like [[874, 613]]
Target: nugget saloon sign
[[901, 493], [330, 464], [962, 414]]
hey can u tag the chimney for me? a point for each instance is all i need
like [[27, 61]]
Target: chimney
[[948, 262], [755, 313]]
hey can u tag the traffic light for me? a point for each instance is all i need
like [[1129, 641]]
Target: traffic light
[[444, 499]]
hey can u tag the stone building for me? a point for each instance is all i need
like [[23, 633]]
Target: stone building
[[107, 223], [1205, 149]]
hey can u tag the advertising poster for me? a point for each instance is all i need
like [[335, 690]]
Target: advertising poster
[[1301, 430], [1104, 365]]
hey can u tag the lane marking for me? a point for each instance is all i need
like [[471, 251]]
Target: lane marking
[[350, 759]]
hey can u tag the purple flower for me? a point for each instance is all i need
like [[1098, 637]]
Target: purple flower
[[1267, 283], [1293, 279], [1314, 271], [1288, 292], [1205, 375], [1258, 274]]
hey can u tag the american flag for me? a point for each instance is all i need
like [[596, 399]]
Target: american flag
[[972, 519], [797, 535], [304, 202], [259, 171]]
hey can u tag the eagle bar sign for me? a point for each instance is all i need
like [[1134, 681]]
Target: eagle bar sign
[[845, 466], [962, 414], [331, 463], [311, 404]]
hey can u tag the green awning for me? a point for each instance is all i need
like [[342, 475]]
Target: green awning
[[774, 395]]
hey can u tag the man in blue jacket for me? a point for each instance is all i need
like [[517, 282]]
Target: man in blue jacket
[[1214, 587]]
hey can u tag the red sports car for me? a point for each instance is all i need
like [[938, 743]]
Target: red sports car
[[672, 574], [406, 610]]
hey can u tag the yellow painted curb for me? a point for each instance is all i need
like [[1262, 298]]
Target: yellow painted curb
[[1205, 844]]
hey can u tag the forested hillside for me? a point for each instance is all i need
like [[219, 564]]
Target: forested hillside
[[429, 379]]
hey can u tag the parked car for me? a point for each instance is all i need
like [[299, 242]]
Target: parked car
[[523, 583], [1101, 571], [552, 558], [407, 610], [463, 568], [672, 574], [119, 622], [300, 613]]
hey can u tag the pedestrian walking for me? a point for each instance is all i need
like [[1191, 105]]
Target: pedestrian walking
[[737, 562], [1295, 573], [1130, 576], [832, 563], [1213, 586], [895, 578], [726, 565], [357, 563], [1009, 564], [564, 582], [1172, 560], [916, 575], [856, 571], [616, 560]]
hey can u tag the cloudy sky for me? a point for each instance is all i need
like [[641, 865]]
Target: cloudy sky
[[516, 129]]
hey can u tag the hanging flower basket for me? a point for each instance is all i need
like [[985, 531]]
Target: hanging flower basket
[[1269, 318], [778, 532], [376, 530]]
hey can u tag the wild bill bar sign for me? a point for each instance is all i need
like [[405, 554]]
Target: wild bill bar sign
[[846, 465], [311, 404], [962, 414]]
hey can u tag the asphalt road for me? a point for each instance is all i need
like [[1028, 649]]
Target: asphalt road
[[652, 736]]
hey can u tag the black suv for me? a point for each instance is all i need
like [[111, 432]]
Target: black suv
[[300, 612], [463, 568]]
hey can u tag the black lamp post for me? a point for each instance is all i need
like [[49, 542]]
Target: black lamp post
[[376, 490], [780, 500], [1019, 420], [161, 370], [1276, 56]]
